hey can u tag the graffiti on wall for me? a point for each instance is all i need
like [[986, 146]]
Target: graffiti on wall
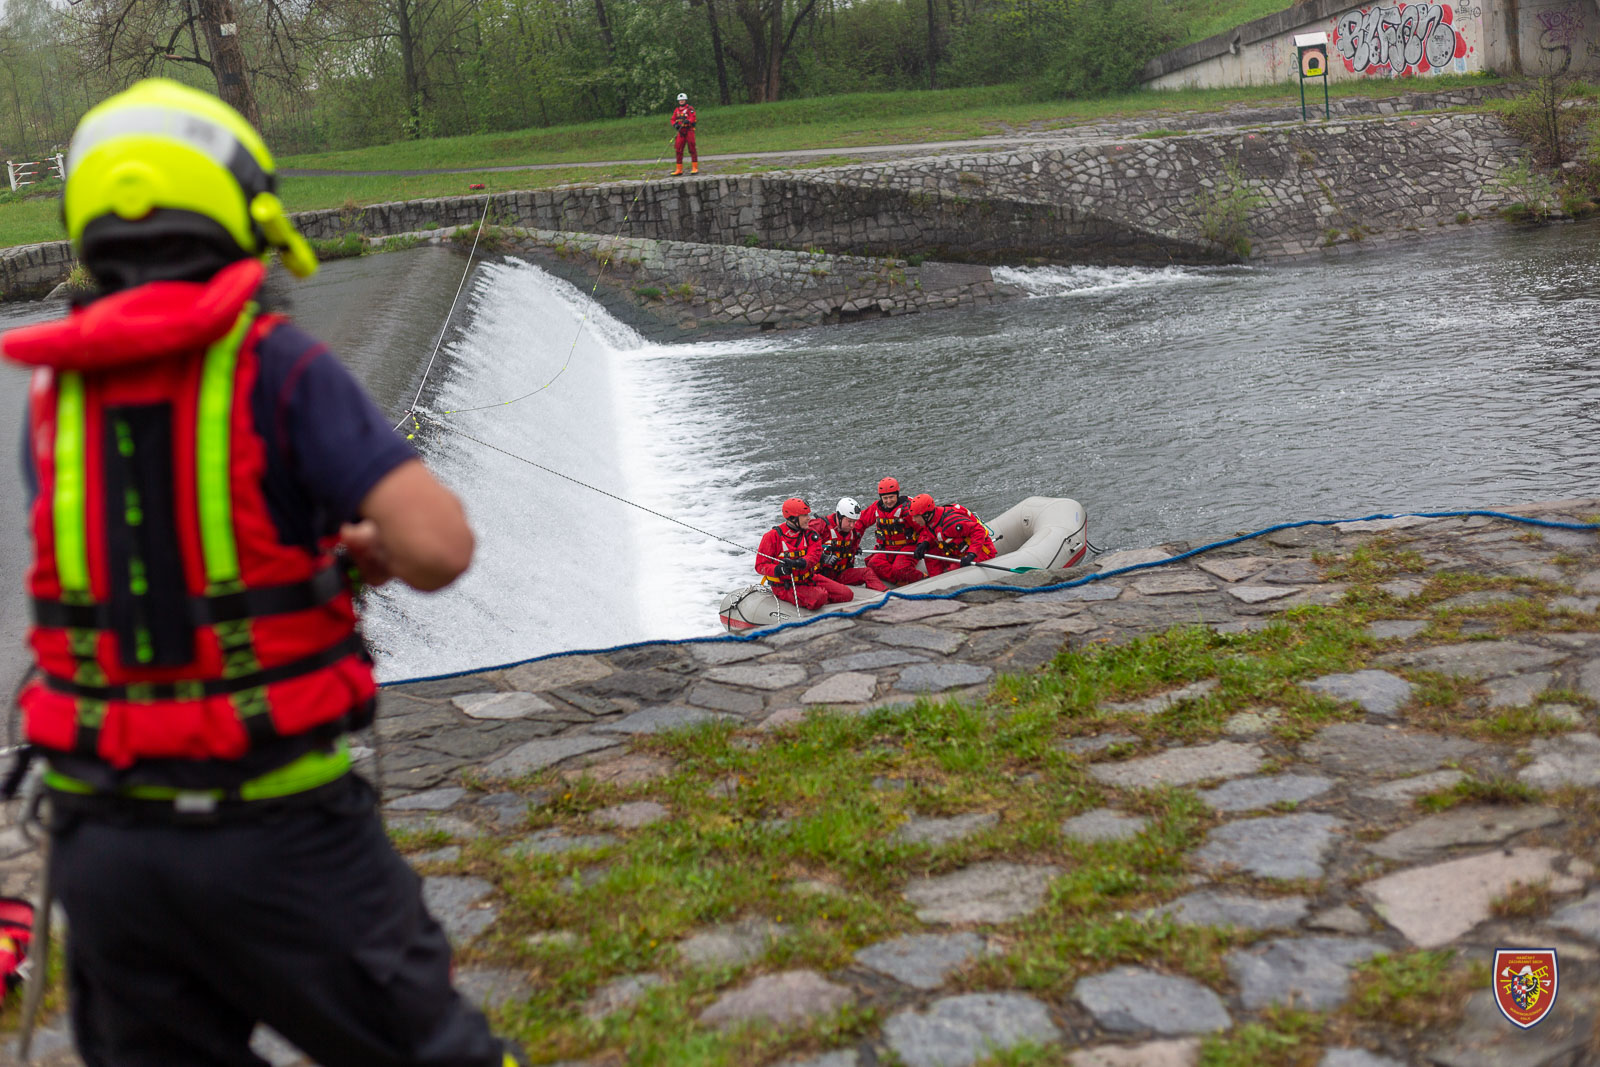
[[1400, 39], [1559, 31]]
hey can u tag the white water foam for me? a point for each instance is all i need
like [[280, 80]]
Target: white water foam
[[1081, 281]]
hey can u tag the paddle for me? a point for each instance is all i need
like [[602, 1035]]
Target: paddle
[[949, 559]]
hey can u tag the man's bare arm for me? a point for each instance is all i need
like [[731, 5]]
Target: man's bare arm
[[411, 528]]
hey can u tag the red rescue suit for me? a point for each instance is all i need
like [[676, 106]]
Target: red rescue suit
[[893, 532], [683, 121], [954, 531], [805, 588], [170, 621], [839, 551]]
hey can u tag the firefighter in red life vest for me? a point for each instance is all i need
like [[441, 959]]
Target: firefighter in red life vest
[[892, 518], [841, 544], [949, 530], [788, 558], [683, 121], [193, 462]]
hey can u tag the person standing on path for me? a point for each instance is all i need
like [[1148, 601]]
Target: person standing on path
[[788, 557], [841, 544], [949, 530], [892, 519], [683, 121], [194, 463]]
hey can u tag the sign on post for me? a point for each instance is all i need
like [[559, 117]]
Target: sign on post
[[1312, 49]]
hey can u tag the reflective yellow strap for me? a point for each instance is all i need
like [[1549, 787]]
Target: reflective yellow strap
[[213, 443], [297, 776], [69, 506]]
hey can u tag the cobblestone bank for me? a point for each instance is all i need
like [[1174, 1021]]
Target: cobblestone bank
[[1318, 845]]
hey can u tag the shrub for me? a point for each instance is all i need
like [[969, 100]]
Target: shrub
[[1225, 211], [1532, 194], [1106, 45], [1541, 118]]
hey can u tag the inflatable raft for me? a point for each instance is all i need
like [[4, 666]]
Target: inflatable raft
[[1041, 533]]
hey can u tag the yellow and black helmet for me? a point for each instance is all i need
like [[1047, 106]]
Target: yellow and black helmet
[[162, 160]]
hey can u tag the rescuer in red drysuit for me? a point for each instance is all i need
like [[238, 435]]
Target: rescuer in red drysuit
[[683, 121], [841, 543], [949, 530], [894, 534], [788, 557]]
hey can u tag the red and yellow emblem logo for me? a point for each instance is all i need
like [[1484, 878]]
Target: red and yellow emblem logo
[[1525, 982]]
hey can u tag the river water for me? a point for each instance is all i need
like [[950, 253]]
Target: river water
[[1173, 403]]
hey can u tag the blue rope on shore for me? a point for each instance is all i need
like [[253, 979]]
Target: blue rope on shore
[[1023, 591]]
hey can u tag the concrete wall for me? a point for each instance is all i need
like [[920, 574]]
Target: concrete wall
[[1392, 40]]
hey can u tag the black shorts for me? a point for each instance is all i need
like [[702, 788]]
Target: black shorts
[[183, 937]]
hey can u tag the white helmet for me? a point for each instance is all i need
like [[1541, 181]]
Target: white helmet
[[849, 508], [683, 98]]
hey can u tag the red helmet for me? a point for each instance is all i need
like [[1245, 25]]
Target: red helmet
[[889, 485], [921, 504], [795, 506]]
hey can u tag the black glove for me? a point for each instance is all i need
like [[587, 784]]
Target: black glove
[[920, 551], [968, 559], [784, 567]]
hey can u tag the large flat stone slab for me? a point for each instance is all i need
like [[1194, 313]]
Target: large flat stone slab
[[790, 998], [1103, 825], [1485, 1039], [1476, 825], [1571, 759], [959, 1031], [722, 653], [942, 831], [661, 719], [912, 610], [1397, 629], [1519, 690], [1234, 568], [1169, 583], [1434, 905], [1377, 692], [632, 815], [1020, 612], [1309, 973], [725, 698], [1155, 705], [1475, 659], [937, 677], [1353, 748], [981, 893], [557, 673], [767, 676], [925, 638], [729, 944], [1281, 846], [620, 994], [1405, 790], [1260, 594], [460, 905], [1184, 1052], [1214, 907], [502, 705], [1130, 557], [922, 961], [1134, 1000], [1181, 766], [869, 661], [1582, 917], [534, 756], [847, 687], [1250, 794]]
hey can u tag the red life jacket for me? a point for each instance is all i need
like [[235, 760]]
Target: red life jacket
[[839, 549], [790, 545], [956, 531], [894, 526], [170, 621]]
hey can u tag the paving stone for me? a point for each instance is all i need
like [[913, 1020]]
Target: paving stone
[[759, 676], [1281, 846], [799, 635], [552, 939], [537, 755], [632, 815], [1390, 629], [1377, 692], [1183, 1052], [1589, 679], [558, 672], [925, 638], [1485, 1039], [501, 705], [848, 687], [1133, 1000], [1248, 794], [725, 698], [1571, 759], [1008, 613], [1403, 588], [1341, 920], [448, 854], [431, 823], [959, 1031], [938, 832], [981, 893], [1103, 825], [620, 994], [937, 677], [722, 653], [1476, 825], [1405, 790], [1165, 583], [1399, 522], [921, 961], [459, 905], [729, 944], [1091, 592], [1577, 605], [1259, 594], [789, 998], [1478, 598], [1072, 624], [1582, 917], [1181, 766], [650, 686], [1217, 907], [1308, 973], [660, 720], [1234, 568], [1162, 701], [432, 800], [1084, 746], [555, 842], [634, 768], [1292, 572], [842, 1058], [1250, 723], [1131, 557], [491, 987], [912, 610], [1519, 690], [1353, 748], [481, 740], [1474, 659], [868, 661], [1434, 905]]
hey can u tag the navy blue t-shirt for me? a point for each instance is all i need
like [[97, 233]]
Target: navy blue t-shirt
[[327, 442]]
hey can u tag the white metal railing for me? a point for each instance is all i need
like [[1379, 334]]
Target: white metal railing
[[20, 174]]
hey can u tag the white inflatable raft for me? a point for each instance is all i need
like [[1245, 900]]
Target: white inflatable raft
[[1041, 533]]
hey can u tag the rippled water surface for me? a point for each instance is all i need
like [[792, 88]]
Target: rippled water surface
[[1173, 403]]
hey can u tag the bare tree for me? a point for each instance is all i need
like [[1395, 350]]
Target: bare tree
[[761, 62]]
